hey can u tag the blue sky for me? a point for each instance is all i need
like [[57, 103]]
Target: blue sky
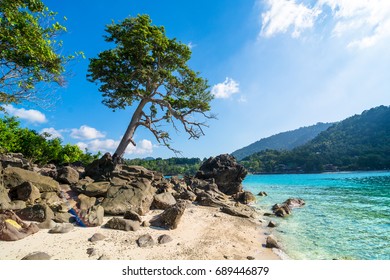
[[273, 66]]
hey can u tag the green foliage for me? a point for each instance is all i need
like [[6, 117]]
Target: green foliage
[[37, 147], [283, 141], [147, 67], [361, 142], [28, 50], [171, 166]]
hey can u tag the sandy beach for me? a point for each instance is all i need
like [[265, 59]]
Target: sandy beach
[[204, 233]]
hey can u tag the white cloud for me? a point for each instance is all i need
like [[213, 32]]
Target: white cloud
[[191, 45], [284, 14], [86, 132], [225, 89], [109, 145], [33, 116], [53, 133], [364, 22]]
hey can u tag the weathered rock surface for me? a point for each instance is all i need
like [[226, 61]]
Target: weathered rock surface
[[122, 224], [96, 189], [131, 215], [245, 197], [271, 242], [36, 213], [93, 216], [12, 228], [170, 218], [68, 175], [262, 194], [14, 160], [234, 212], [86, 202], [37, 256], [14, 177], [163, 201], [145, 240], [284, 209], [271, 224], [27, 192], [100, 169], [225, 171], [51, 199], [165, 238]]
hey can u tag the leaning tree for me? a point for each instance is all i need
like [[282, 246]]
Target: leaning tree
[[29, 54], [149, 71]]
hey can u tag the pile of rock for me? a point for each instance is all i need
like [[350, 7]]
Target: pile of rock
[[71, 194]]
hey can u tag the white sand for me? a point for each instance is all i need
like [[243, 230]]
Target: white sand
[[204, 233]]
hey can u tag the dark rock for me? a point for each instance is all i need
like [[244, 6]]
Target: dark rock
[[267, 214], [271, 242], [100, 169], [165, 238], [122, 224], [245, 197], [137, 197], [37, 256], [234, 212], [28, 192], [49, 170], [145, 241], [68, 175], [62, 228], [97, 189], [271, 224], [225, 171], [251, 258], [131, 215], [186, 195], [92, 252], [294, 202], [171, 216], [14, 160], [14, 177], [262, 194], [284, 209], [97, 237], [37, 213], [163, 201]]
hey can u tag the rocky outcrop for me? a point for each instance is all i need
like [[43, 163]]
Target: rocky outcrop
[[272, 243], [245, 197], [170, 218], [93, 216], [163, 201], [122, 224], [14, 160], [284, 209], [226, 172], [68, 175], [145, 240], [100, 169], [36, 213]]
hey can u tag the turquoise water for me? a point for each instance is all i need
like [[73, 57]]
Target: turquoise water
[[346, 216]]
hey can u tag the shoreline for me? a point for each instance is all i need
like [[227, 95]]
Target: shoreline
[[204, 233]]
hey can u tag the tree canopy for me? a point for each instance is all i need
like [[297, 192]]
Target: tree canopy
[[28, 47], [148, 69]]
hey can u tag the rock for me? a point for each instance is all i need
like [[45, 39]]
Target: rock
[[171, 216], [92, 252], [100, 169], [137, 197], [122, 224], [60, 217], [163, 201], [104, 257], [86, 202], [28, 192], [92, 217], [51, 198], [284, 209], [145, 224], [294, 202], [186, 195], [129, 172], [14, 160], [37, 256], [49, 170], [271, 224], [131, 215], [271, 242], [68, 175], [48, 224], [5, 201], [245, 197], [234, 212], [97, 189], [62, 228], [225, 171], [37, 213], [251, 258], [97, 237], [14, 176], [262, 194], [206, 199], [12, 228], [165, 238], [145, 241]]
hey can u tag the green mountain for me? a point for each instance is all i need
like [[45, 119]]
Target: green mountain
[[361, 142], [283, 141]]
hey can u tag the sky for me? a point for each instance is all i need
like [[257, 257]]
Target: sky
[[272, 66]]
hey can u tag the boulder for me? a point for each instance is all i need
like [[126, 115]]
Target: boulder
[[86, 202], [36, 213], [163, 201], [5, 201], [262, 194], [97, 237], [68, 175], [294, 202], [271, 242], [122, 224], [28, 192], [12, 228], [165, 238], [37, 256], [96, 189], [271, 224], [245, 197], [225, 171], [14, 177], [145, 240], [284, 209], [234, 212], [60, 217], [170, 218], [130, 172], [51, 198], [49, 170], [131, 215], [137, 197], [100, 169], [14, 160], [92, 217]]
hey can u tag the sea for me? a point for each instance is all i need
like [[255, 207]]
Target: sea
[[346, 216]]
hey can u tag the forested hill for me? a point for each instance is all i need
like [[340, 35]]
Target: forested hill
[[361, 142], [283, 141]]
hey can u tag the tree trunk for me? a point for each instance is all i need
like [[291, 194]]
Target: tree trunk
[[127, 137]]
